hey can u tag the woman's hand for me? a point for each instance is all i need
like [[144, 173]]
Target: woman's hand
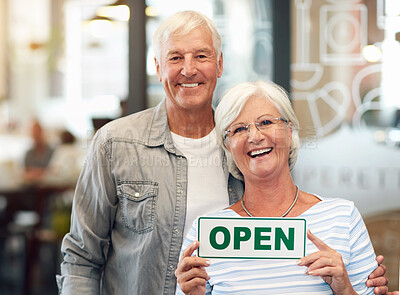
[[328, 264], [191, 273]]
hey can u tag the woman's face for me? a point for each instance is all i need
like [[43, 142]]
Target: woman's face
[[260, 154]]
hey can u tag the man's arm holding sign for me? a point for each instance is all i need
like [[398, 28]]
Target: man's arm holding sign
[[379, 280]]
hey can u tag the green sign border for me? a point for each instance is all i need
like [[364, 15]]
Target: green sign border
[[253, 218]]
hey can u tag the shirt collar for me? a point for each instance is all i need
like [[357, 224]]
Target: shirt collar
[[159, 132]]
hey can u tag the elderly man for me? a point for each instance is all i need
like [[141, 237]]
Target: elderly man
[[148, 175]]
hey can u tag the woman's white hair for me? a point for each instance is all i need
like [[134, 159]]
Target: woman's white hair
[[181, 24], [232, 103]]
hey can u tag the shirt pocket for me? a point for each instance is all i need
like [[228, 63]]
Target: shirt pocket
[[137, 201]]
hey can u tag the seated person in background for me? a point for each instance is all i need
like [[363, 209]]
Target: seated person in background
[[66, 162], [258, 129], [38, 157]]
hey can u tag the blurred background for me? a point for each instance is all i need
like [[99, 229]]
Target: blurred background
[[67, 67]]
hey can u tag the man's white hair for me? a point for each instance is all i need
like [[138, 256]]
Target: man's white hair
[[181, 24]]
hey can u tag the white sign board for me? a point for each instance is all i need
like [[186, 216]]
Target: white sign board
[[259, 238]]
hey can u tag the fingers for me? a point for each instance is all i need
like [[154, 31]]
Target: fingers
[[380, 284], [378, 278], [316, 260], [326, 262], [196, 274], [380, 271], [326, 252], [380, 290], [377, 282], [319, 265], [380, 259], [190, 249], [317, 242], [187, 263], [191, 272], [193, 286]]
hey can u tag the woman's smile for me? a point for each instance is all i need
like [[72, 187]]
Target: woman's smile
[[259, 152]]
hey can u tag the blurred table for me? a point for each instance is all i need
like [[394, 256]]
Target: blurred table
[[26, 207]]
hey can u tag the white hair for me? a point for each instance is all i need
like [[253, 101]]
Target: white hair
[[181, 24], [232, 103]]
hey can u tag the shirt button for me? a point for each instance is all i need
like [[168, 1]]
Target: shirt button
[[137, 195], [180, 191], [171, 267], [176, 230]]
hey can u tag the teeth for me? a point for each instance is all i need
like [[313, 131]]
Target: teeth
[[259, 152], [190, 85]]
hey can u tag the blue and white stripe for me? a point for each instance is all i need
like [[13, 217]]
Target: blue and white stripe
[[337, 222]]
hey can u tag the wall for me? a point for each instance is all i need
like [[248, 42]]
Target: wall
[[2, 50]]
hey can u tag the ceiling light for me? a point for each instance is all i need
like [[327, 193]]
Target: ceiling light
[[118, 11]]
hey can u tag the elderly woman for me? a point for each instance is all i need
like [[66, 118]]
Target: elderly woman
[[259, 130]]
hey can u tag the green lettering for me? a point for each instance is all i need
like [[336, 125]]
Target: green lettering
[[213, 237], [238, 237], [258, 237], [280, 236]]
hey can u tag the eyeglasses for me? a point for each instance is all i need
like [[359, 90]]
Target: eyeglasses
[[241, 130]]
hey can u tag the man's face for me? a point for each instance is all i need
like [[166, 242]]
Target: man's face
[[188, 69]]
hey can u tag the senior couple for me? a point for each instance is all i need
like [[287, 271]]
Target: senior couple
[[142, 188]]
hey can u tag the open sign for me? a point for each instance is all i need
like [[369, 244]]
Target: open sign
[[261, 238]]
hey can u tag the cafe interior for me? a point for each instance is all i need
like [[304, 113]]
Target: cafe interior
[[67, 67]]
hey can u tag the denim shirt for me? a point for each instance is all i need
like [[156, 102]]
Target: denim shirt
[[129, 210]]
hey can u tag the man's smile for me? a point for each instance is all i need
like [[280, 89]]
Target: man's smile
[[189, 85]]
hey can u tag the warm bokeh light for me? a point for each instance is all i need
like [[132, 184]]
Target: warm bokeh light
[[100, 28], [151, 11], [120, 12], [372, 53]]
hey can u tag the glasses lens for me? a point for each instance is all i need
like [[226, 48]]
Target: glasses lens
[[265, 122], [238, 130]]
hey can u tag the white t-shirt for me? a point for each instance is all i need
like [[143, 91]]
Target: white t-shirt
[[207, 183]]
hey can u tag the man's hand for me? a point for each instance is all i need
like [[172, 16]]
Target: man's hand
[[191, 271], [379, 280]]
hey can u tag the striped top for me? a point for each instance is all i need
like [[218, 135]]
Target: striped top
[[337, 222]]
